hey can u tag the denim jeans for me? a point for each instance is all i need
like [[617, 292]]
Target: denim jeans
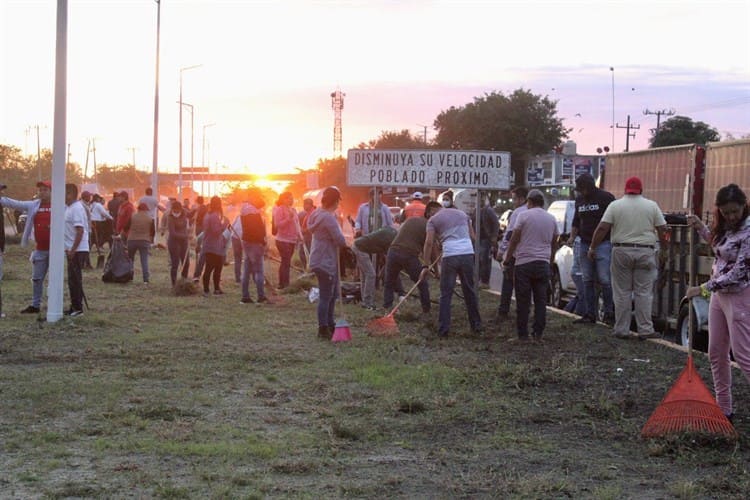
[[286, 251], [597, 271], [214, 264], [237, 253], [328, 286], [507, 290], [485, 261], [253, 266], [39, 267], [578, 304], [532, 280], [367, 276], [142, 247], [398, 260], [463, 267], [178, 253], [75, 279]]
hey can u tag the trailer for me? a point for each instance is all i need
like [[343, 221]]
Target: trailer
[[682, 179]]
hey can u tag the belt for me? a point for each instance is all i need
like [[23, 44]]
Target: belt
[[632, 245]]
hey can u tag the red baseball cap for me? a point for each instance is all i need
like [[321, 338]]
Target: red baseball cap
[[633, 186], [46, 184]]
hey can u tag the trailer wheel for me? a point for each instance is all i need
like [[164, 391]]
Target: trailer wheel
[[681, 335]]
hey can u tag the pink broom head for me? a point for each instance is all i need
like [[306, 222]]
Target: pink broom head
[[342, 332]]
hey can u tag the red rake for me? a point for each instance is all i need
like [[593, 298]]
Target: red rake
[[386, 326], [688, 407]]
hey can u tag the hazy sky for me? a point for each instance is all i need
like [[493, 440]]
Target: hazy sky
[[268, 69]]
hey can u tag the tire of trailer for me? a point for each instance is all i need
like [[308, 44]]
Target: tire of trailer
[[700, 341]]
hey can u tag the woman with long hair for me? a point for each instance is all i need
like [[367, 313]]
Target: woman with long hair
[[327, 239], [214, 245], [728, 289], [285, 221]]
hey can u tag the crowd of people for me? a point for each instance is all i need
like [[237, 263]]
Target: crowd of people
[[617, 243]]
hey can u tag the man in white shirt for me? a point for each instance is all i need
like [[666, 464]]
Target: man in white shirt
[[76, 239]]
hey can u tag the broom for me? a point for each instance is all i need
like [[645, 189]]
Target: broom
[[342, 332], [386, 326], [688, 406]]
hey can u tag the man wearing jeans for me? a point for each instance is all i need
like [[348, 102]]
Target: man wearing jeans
[[633, 222], [76, 238], [452, 228], [519, 206], [589, 209], [533, 247], [37, 227]]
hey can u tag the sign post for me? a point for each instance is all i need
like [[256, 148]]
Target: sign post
[[431, 168]]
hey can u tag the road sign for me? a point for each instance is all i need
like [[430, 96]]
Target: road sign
[[429, 168]]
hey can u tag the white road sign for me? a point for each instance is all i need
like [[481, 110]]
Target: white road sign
[[428, 168]]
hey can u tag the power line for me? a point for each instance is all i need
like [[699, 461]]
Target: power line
[[669, 112]]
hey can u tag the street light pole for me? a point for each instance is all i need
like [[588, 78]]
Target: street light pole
[[179, 176], [155, 156], [203, 150], [612, 70], [192, 121]]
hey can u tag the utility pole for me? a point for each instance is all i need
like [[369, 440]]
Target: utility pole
[[425, 133], [132, 150], [38, 151], [628, 135], [337, 103], [665, 112]]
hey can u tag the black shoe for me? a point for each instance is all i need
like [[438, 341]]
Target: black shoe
[[30, 310], [584, 320], [609, 319], [246, 300], [218, 291], [263, 300]]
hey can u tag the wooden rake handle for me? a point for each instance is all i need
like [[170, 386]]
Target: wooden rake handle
[[411, 290]]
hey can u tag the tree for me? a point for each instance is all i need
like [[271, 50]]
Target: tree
[[395, 140], [682, 130], [521, 123]]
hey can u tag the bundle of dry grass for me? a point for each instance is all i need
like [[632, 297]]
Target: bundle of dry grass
[[184, 287]]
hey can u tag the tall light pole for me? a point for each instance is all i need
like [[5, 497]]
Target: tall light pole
[[203, 150], [179, 177], [425, 133], [192, 136], [612, 70], [155, 157]]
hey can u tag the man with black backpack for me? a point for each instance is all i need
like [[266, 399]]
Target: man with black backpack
[[253, 245]]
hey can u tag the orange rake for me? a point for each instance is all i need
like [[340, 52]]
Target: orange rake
[[688, 407], [386, 326]]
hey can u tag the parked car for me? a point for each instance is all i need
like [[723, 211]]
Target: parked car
[[504, 219]]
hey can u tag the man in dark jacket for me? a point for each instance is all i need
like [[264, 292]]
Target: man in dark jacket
[[489, 228], [589, 209]]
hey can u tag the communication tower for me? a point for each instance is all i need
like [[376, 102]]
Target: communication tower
[[337, 103]]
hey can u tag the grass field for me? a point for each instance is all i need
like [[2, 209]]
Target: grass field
[[151, 395]]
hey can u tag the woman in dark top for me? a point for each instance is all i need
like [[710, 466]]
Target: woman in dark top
[[176, 222]]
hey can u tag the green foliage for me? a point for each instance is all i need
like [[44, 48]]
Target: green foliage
[[522, 123], [682, 130], [395, 140]]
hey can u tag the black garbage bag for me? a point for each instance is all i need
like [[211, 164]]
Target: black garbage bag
[[118, 267]]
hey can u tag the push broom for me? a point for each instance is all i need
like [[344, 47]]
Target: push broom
[[689, 406], [386, 326]]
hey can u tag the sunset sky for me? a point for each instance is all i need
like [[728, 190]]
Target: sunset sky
[[268, 69]]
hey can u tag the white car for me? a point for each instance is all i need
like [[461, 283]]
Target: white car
[[562, 287]]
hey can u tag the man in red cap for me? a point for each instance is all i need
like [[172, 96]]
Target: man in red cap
[[39, 221], [633, 222]]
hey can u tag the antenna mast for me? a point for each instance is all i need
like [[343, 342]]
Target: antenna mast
[[337, 103]]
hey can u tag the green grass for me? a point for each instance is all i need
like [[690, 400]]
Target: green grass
[[159, 396]]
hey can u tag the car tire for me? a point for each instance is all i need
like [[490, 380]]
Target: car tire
[[556, 291], [681, 334]]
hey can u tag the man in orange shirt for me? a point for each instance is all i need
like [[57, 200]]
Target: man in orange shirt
[[415, 208]]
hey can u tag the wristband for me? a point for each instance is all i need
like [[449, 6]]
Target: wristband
[[705, 292]]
